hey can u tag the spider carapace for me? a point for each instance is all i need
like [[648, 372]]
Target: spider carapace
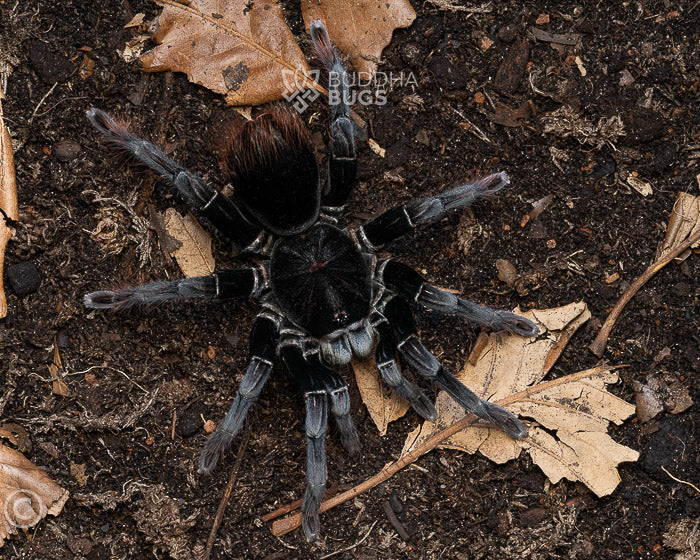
[[325, 296]]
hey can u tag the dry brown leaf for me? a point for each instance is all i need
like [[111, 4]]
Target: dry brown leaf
[[234, 47], [27, 493], [683, 222], [360, 29], [8, 199], [382, 403], [194, 254], [576, 408]]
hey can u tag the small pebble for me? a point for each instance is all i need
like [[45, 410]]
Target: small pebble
[[24, 278], [66, 150], [189, 420]]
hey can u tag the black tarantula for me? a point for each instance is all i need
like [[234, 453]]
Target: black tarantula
[[324, 294]]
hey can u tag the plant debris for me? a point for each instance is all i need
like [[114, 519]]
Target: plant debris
[[682, 234]]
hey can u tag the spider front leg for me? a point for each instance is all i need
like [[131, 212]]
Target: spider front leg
[[263, 342], [218, 209], [412, 286], [400, 220], [342, 161], [423, 362], [223, 284], [318, 383]]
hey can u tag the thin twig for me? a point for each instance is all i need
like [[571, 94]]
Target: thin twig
[[227, 495], [358, 543], [679, 480], [601, 341], [41, 102], [288, 524]]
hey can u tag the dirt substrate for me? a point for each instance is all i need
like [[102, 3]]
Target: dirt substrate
[[135, 492]]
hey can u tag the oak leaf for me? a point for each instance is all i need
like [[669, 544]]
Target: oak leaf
[[382, 403], [193, 255], [571, 414], [360, 29], [27, 493], [234, 47]]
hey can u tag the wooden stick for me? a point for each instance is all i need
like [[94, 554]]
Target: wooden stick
[[288, 524], [227, 495], [601, 341]]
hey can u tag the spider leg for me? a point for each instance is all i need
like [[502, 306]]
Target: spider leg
[[412, 286], [385, 356], [218, 208], [263, 340], [223, 284], [342, 161], [400, 220], [422, 361], [317, 383]]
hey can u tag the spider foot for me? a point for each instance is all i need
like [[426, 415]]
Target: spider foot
[[516, 324]]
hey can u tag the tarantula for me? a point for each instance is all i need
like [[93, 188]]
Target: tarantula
[[325, 297]]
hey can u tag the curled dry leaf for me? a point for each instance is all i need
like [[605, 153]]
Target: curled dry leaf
[[682, 234], [238, 48], [572, 413], [382, 403], [360, 29], [194, 253], [27, 493], [8, 199], [683, 223]]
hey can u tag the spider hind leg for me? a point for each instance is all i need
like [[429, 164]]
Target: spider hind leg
[[263, 340], [318, 384]]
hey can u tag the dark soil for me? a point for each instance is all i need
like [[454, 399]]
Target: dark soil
[[130, 375]]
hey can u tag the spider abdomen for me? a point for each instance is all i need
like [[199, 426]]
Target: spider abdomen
[[321, 280]]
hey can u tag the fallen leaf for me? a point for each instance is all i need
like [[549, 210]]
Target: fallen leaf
[[27, 493], [8, 199], [238, 48], [683, 222], [59, 386], [360, 29], [194, 254], [382, 403], [571, 413]]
